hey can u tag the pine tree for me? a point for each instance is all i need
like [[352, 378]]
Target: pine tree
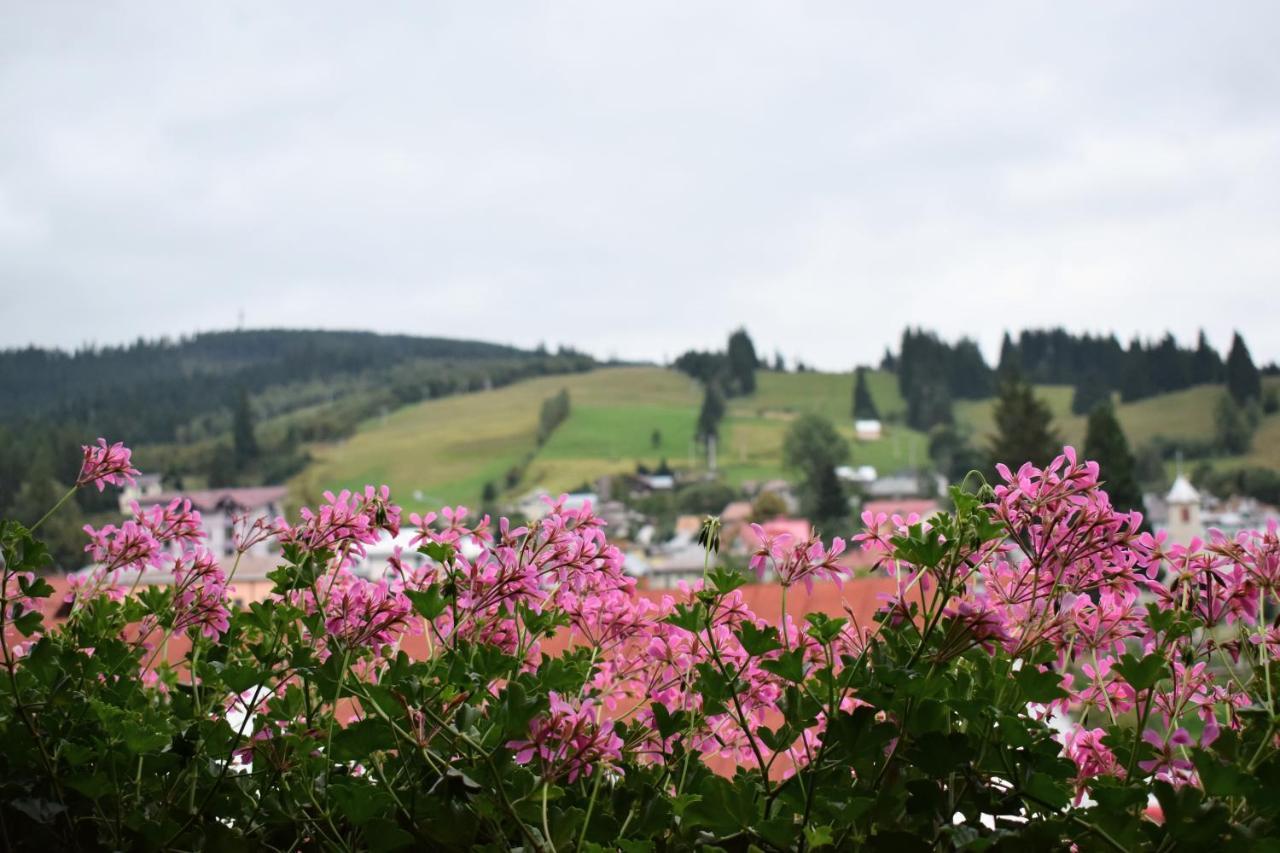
[[864, 407], [1243, 379], [1206, 364], [1010, 358], [1090, 392], [827, 505], [742, 363], [1106, 444], [1024, 426], [814, 449], [61, 532], [712, 411], [244, 442], [1233, 430]]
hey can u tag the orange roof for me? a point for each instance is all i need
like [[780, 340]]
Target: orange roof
[[798, 528], [923, 507]]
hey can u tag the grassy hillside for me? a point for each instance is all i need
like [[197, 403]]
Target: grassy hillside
[[444, 451], [1186, 414]]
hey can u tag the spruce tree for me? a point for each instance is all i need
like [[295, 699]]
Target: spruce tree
[[864, 408], [1206, 364], [244, 442], [814, 449], [827, 505], [742, 363], [1106, 444], [1024, 426], [1010, 358], [712, 411], [1243, 379], [1090, 392]]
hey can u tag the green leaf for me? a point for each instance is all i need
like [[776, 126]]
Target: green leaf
[[788, 665], [356, 741], [1141, 673], [724, 581], [428, 602], [758, 641], [382, 834], [1037, 686]]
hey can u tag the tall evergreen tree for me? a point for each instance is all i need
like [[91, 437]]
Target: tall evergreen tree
[[864, 407], [742, 363], [1135, 377], [827, 505], [712, 411], [1010, 360], [1024, 426], [814, 449], [244, 441], [1243, 379], [62, 531], [1206, 364], [1106, 444], [1090, 392]]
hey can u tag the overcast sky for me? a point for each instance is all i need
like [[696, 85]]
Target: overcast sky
[[639, 179]]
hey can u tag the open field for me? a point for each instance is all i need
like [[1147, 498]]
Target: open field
[[444, 451]]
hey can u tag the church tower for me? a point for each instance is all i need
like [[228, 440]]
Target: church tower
[[1184, 511]]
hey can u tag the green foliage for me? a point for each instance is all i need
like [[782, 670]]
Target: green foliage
[[707, 497], [1024, 428], [713, 409], [1233, 427], [554, 411], [1244, 382], [814, 449], [243, 438], [767, 505], [1106, 444], [864, 407]]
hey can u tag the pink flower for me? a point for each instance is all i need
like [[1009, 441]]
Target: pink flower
[[174, 522], [1092, 757], [569, 741], [365, 613], [129, 546], [199, 598], [105, 465]]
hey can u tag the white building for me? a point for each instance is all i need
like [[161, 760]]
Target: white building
[[867, 429], [219, 507], [1184, 523]]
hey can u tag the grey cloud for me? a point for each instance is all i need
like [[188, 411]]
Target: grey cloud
[[638, 179]]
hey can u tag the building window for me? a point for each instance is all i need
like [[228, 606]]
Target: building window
[[1186, 515]]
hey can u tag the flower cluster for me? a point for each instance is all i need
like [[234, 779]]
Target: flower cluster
[[106, 465], [569, 741], [1143, 654]]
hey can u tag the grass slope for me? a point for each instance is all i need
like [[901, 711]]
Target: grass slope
[[444, 451]]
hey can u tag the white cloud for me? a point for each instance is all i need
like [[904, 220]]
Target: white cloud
[[636, 180]]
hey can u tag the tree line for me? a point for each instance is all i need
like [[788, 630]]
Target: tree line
[[221, 408]]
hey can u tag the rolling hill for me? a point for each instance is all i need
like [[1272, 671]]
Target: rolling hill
[[445, 451]]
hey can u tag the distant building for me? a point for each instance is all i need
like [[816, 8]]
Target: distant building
[[903, 484], [147, 486], [921, 507], [1184, 522], [868, 429], [219, 507], [862, 475], [657, 482]]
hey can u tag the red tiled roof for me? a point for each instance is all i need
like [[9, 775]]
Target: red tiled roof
[[923, 507], [798, 528], [206, 499]]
